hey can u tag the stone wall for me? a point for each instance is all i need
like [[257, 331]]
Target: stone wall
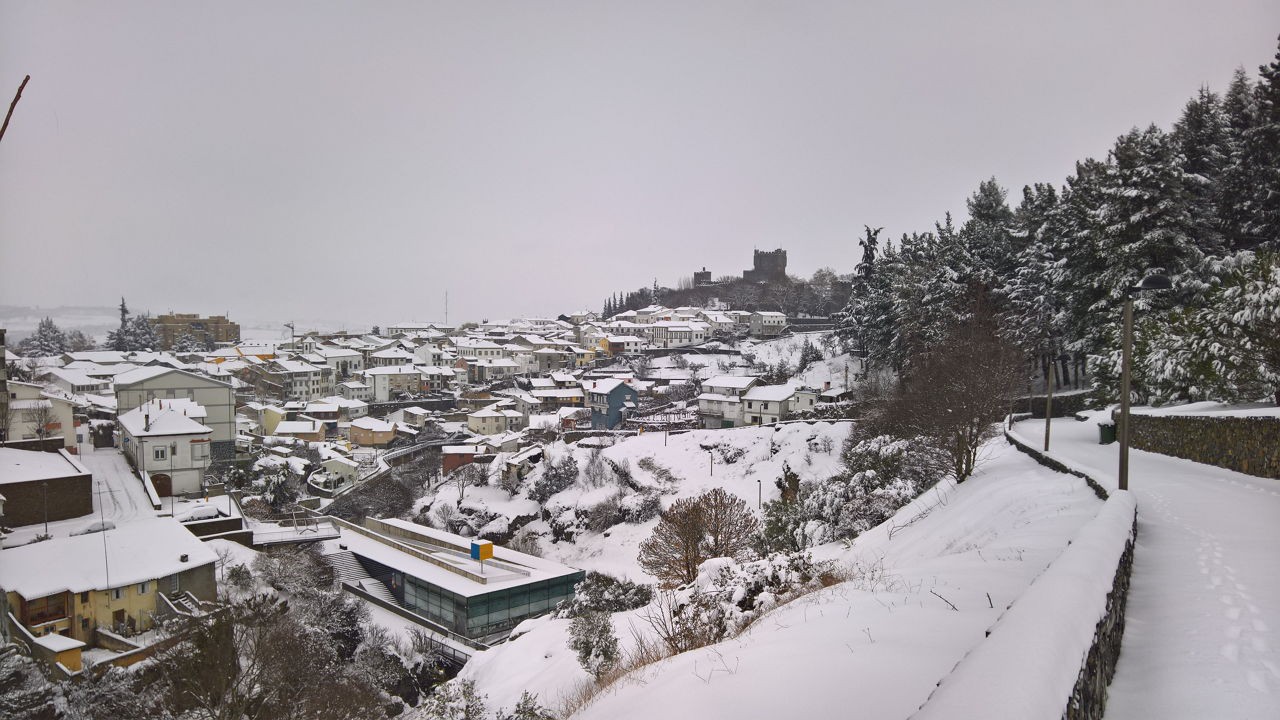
[[1089, 699], [1244, 444], [1064, 405]]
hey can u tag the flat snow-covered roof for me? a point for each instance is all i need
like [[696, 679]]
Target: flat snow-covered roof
[[135, 552]]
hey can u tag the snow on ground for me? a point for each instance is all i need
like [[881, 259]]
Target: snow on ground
[[118, 497], [1204, 599], [811, 450], [878, 643]]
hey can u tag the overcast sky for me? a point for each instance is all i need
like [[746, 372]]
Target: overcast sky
[[350, 162]]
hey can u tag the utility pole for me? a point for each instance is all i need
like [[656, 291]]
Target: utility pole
[[1048, 404]]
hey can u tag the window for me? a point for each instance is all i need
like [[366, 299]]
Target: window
[[117, 593], [160, 453], [84, 597], [766, 406], [142, 588]]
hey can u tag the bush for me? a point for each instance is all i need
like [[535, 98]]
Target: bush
[[604, 515], [239, 577], [598, 592], [883, 474], [640, 507], [554, 477], [591, 636]]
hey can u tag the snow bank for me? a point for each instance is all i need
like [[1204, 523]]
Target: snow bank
[[1029, 665]]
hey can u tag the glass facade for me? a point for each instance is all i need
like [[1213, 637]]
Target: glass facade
[[486, 614]]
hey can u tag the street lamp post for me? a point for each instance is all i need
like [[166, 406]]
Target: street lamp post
[[1150, 282]]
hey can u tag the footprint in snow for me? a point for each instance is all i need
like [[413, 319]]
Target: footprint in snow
[[1231, 651]]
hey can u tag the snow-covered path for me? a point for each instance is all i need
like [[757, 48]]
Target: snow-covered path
[[1204, 603], [121, 496]]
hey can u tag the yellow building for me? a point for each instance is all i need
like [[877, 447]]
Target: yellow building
[[72, 588]]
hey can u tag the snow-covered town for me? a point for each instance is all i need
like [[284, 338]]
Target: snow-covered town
[[417, 363]]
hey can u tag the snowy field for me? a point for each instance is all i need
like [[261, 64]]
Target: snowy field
[[878, 643]]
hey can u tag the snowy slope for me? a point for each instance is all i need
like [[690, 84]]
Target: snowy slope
[[877, 644]]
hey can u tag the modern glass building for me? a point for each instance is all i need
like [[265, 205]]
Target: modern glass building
[[432, 574]]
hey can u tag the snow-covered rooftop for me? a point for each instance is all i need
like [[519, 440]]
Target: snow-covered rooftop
[[135, 552], [174, 416], [28, 465]]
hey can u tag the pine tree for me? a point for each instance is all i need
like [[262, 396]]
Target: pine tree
[[1200, 139], [1233, 192], [119, 339], [141, 334], [46, 341], [986, 234], [1262, 148]]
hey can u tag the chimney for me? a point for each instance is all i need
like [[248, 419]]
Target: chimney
[[146, 422], [182, 557], [826, 386]]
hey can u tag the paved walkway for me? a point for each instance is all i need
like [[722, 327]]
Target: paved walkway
[[1204, 604]]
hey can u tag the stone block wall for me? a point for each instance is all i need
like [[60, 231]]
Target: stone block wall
[[1244, 444], [1089, 698]]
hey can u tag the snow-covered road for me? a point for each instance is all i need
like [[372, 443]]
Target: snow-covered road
[[118, 493], [1204, 604]]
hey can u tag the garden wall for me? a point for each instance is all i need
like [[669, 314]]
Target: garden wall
[[1244, 444]]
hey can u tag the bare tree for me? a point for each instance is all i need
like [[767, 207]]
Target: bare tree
[[959, 391], [693, 530], [728, 525], [674, 551], [40, 416]]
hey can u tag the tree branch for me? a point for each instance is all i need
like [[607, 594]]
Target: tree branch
[[13, 105]]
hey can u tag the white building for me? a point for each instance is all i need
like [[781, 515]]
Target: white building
[[166, 440]]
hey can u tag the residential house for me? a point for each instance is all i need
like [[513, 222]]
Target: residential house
[[494, 419], [768, 404], [41, 487], [765, 324], [74, 382], [344, 361], [306, 430], [387, 382], [137, 387], [61, 591], [167, 440], [209, 331], [453, 457], [372, 432], [616, 345], [610, 402], [35, 414], [720, 404], [355, 390]]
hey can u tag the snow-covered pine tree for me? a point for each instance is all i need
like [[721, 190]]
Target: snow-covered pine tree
[[46, 341], [141, 334], [986, 235], [1262, 148], [1233, 192], [1147, 227], [1200, 139], [118, 339]]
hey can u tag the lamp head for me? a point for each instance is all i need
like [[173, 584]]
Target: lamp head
[[1155, 281]]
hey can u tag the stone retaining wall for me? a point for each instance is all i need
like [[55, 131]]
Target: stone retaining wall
[[1244, 444], [1089, 698]]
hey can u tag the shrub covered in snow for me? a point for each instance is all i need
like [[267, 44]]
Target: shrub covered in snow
[[553, 477], [727, 596], [598, 592], [591, 636], [884, 473]]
